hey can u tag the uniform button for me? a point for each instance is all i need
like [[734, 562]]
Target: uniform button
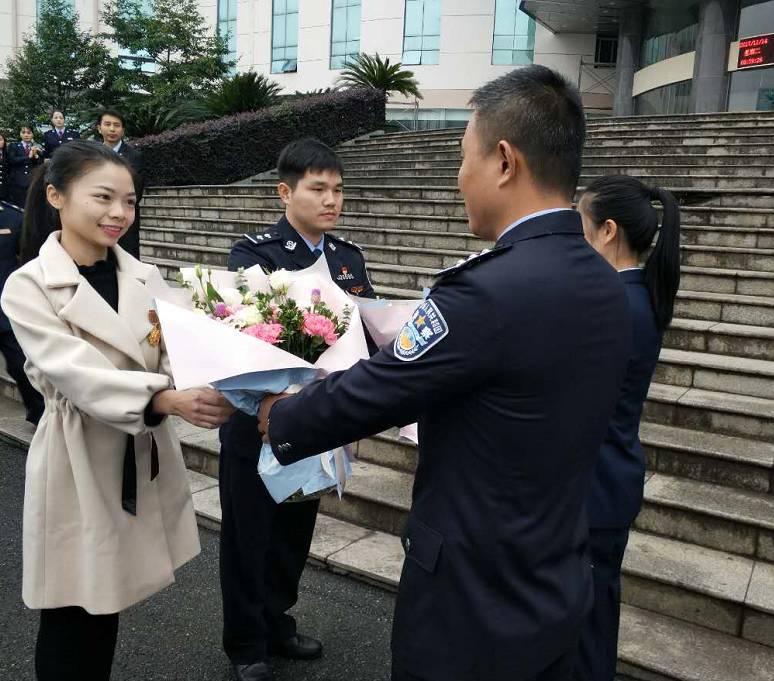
[[408, 544]]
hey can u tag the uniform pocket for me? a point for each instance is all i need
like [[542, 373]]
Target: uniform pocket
[[422, 544]]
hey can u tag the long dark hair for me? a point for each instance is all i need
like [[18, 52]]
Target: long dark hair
[[628, 202], [71, 161]]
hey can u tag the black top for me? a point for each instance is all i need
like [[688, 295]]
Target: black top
[[103, 278]]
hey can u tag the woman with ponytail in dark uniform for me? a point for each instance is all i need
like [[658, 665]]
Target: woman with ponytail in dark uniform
[[620, 222]]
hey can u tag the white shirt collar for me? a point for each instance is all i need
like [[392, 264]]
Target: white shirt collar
[[540, 213], [630, 269], [118, 146]]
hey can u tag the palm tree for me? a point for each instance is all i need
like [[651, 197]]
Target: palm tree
[[367, 71], [243, 92]]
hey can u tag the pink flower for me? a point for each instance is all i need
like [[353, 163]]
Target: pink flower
[[317, 325], [269, 333], [222, 310]]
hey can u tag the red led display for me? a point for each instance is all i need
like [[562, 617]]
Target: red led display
[[757, 51]]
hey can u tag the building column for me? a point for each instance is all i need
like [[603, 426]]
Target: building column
[[629, 49], [717, 23]]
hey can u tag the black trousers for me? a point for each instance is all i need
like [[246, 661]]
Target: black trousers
[[263, 550], [14, 361], [74, 645], [598, 645], [559, 670]]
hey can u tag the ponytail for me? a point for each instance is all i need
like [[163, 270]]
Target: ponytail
[[71, 161], [628, 202], [662, 268], [40, 217]]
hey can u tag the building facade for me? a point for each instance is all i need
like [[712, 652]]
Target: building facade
[[627, 56]]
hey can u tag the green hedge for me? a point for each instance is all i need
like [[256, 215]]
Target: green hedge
[[235, 147]]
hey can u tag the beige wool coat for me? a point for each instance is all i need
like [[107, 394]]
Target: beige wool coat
[[97, 373]]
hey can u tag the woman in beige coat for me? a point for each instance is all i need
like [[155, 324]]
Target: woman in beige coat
[[108, 515]]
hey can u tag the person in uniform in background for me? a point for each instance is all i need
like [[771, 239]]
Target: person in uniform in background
[[108, 514], [512, 367], [263, 545], [58, 135], [620, 222], [23, 156], [4, 178], [112, 126], [10, 237]]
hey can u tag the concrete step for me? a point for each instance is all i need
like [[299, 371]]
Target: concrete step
[[705, 371], [739, 237], [753, 342], [711, 411], [725, 307], [654, 647], [735, 462], [694, 180], [694, 165], [704, 586], [736, 521], [717, 280], [729, 257]]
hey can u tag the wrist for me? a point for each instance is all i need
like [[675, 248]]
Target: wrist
[[164, 402]]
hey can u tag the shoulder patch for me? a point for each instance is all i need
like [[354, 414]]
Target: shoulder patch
[[264, 238], [426, 329], [474, 259]]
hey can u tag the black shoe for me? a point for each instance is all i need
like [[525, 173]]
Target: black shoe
[[298, 647], [258, 671]]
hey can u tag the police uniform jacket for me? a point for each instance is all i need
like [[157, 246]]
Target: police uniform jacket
[[512, 366], [97, 371], [283, 248], [10, 235], [20, 164], [4, 177], [617, 484], [52, 141], [131, 240]]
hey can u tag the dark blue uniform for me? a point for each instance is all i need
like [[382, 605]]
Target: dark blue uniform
[[52, 140], [512, 367], [20, 167], [130, 241], [4, 177], [10, 235], [263, 545], [616, 491]]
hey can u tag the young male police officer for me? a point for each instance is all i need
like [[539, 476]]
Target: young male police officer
[[264, 546], [512, 366], [58, 135], [111, 125]]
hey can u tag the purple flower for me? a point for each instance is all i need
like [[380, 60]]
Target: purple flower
[[316, 296]]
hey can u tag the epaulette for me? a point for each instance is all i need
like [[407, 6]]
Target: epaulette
[[346, 242], [11, 206], [264, 238], [474, 259]]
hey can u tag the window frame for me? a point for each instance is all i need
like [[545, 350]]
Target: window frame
[[530, 37], [285, 46], [347, 41], [422, 51]]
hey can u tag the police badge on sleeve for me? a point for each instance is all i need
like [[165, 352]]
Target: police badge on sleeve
[[426, 329]]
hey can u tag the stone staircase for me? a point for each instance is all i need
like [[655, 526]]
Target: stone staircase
[[699, 571]]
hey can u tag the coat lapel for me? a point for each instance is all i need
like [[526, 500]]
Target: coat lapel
[[88, 311]]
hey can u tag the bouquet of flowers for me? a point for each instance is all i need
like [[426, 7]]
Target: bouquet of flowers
[[249, 334]]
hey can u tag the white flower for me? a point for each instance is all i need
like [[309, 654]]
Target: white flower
[[280, 280], [231, 297], [247, 316]]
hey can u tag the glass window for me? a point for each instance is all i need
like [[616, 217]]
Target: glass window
[[227, 25], [756, 18], [141, 59], [345, 32], [670, 99], [422, 32], [669, 33], [514, 35], [284, 36], [606, 53], [39, 5], [752, 90]]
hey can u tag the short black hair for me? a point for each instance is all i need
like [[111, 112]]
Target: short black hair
[[25, 126], [541, 113], [304, 155], [113, 113]]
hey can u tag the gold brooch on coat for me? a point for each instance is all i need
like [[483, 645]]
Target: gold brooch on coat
[[154, 335]]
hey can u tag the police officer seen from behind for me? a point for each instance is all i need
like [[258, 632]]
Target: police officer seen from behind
[[58, 135], [112, 125], [23, 157], [620, 222], [263, 545], [10, 237], [512, 366]]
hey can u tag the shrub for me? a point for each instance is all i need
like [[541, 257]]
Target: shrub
[[233, 148], [242, 92]]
